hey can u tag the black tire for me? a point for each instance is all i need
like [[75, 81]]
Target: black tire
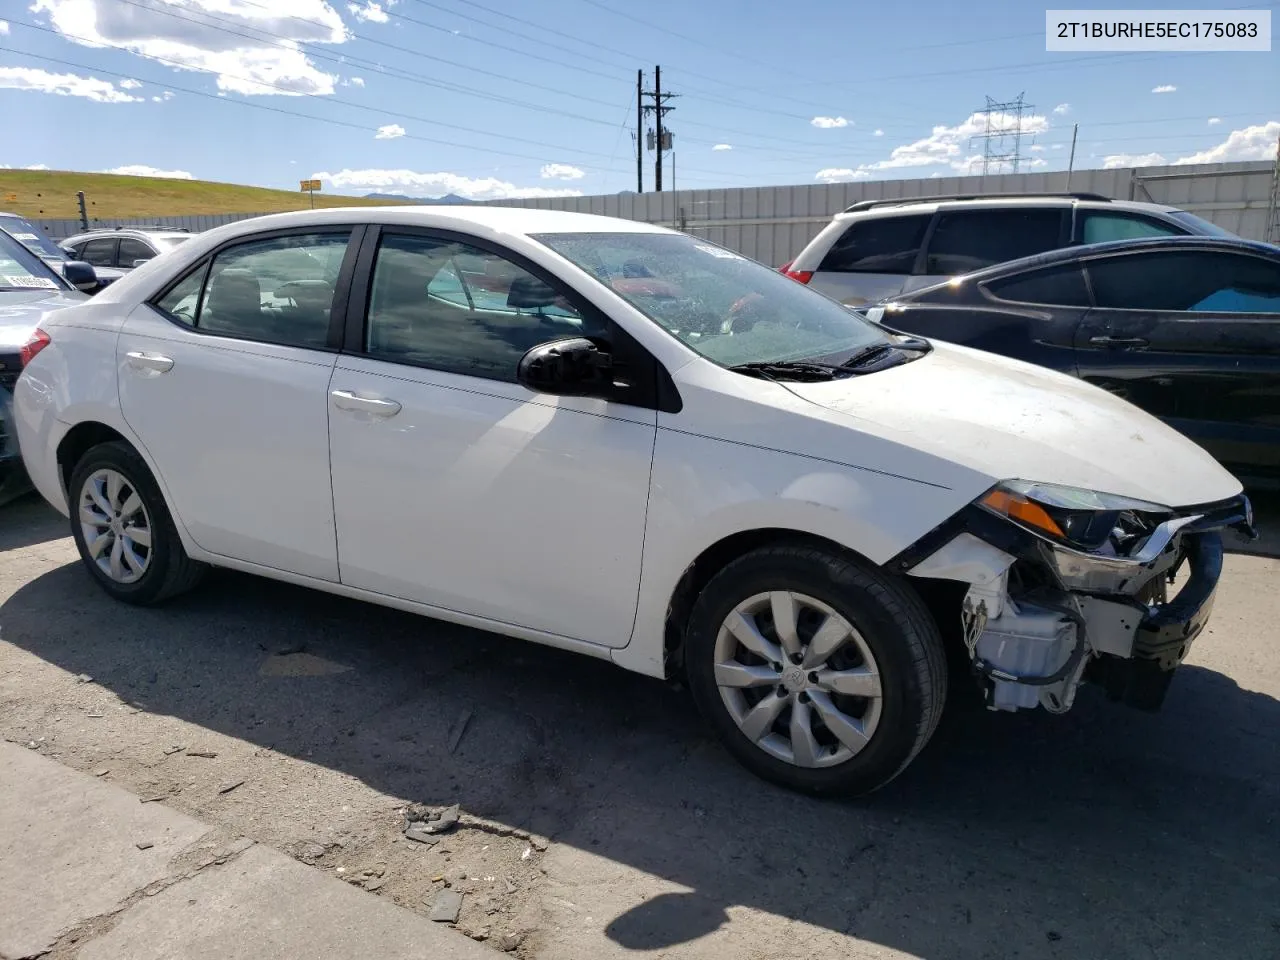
[[894, 623], [169, 571]]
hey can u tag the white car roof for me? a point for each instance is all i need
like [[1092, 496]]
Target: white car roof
[[908, 205], [512, 220]]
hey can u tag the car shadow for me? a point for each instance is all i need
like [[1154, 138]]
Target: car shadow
[[27, 521], [1104, 832]]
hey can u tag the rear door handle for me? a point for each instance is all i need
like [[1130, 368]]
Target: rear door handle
[[1120, 341], [152, 362], [346, 400]]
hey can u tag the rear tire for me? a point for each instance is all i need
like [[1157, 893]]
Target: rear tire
[[123, 528], [838, 704]]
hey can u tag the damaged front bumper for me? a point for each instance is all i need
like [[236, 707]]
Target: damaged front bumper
[[1039, 617]]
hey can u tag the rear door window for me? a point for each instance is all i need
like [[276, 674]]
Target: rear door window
[[878, 245], [1061, 285], [100, 253], [967, 240], [132, 249]]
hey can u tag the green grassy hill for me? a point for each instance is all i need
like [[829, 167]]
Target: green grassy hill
[[52, 193]]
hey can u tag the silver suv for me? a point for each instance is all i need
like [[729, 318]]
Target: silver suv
[[123, 247], [879, 248]]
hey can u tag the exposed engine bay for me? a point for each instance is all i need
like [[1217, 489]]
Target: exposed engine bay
[[1117, 600]]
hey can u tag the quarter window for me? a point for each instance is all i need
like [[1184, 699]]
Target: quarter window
[[877, 245], [967, 240], [1100, 227], [453, 307], [1062, 285], [1191, 281], [278, 290]]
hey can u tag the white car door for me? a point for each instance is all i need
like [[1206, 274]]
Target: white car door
[[224, 378], [456, 486]]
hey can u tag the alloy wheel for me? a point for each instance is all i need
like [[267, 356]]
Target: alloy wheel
[[798, 679], [115, 525]]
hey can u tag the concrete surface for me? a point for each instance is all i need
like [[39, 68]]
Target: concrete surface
[[1102, 833], [68, 848], [86, 863]]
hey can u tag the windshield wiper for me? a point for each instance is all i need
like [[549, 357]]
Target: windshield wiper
[[867, 354], [810, 370]]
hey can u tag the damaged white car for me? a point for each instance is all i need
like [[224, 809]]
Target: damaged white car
[[620, 440]]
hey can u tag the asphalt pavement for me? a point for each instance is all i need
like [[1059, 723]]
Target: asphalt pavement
[[599, 818]]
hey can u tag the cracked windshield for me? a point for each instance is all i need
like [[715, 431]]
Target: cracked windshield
[[588, 480]]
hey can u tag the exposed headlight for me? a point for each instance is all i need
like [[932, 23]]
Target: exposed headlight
[[1083, 519]]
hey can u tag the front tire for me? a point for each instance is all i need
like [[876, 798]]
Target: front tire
[[818, 673], [123, 529]]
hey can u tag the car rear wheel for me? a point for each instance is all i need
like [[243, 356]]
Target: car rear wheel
[[123, 529], [818, 673]]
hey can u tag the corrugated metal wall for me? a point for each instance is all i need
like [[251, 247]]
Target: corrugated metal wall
[[61, 229], [772, 224]]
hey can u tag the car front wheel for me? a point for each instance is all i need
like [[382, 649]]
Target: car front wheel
[[123, 529], [817, 672]]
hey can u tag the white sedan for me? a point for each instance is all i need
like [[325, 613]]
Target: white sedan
[[616, 439]]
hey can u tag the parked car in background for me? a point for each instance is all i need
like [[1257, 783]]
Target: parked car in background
[[123, 248], [624, 441], [878, 248], [30, 289], [30, 236], [1187, 328]]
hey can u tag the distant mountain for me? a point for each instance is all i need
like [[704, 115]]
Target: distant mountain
[[447, 198]]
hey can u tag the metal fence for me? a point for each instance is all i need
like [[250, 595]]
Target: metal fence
[[61, 229], [772, 224]]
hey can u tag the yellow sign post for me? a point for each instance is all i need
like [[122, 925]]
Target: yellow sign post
[[310, 187]]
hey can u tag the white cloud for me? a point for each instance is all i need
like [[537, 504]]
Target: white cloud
[[1056, 146], [390, 132], [63, 84], [878, 133], [1062, 109], [840, 175], [723, 146], [560, 171], [369, 11], [356, 81], [1252, 143], [946, 145], [1164, 88], [32, 166], [167, 95], [4, 28], [251, 48], [1116, 160], [1214, 121], [829, 123], [142, 170], [1036, 148], [129, 84], [411, 182]]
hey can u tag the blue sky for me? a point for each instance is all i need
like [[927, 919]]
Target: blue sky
[[487, 98]]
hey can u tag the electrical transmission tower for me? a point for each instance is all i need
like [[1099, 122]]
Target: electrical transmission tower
[[659, 137], [1273, 204], [1002, 139]]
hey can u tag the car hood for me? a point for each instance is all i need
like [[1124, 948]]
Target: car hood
[[1011, 420], [21, 310]]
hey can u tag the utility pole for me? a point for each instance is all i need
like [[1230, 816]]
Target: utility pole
[[660, 136], [639, 131], [1071, 163]]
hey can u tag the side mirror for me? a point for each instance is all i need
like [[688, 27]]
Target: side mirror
[[69, 251], [573, 367], [141, 260], [80, 275]]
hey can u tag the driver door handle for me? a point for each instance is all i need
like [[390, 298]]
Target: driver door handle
[[346, 400], [1120, 341], [152, 362]]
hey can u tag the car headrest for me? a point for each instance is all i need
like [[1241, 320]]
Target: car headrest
[[530, 293], [235, 288]]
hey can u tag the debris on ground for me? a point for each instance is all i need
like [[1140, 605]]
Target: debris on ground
[[230, 785], [94, 716], [424, 826], [170, 751], [83, 678], [154, 798], [207, 754], [446, 906], [144, 844], [459, 728], [528, 852], [310, 852], [510, 887], [102, 773], [510, 941]]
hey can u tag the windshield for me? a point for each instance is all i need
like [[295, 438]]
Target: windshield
[[1199, 225], [730, 309], [26, 233], [21, 270]]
